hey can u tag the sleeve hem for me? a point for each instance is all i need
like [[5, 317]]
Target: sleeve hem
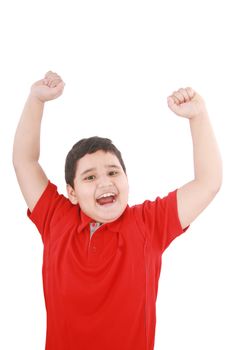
[[49, 189]]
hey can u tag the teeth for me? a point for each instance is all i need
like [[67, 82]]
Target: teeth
[[106, 195]]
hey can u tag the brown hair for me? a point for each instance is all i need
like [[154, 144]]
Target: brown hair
[[88, 146]]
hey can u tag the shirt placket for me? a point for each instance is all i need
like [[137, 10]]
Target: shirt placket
[[94, 226]]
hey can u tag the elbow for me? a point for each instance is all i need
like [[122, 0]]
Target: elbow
[[218, 180], [15, 160], [15, 157], [218, 183], [212, 184], [211, 188], [16, 165], [215, 188]]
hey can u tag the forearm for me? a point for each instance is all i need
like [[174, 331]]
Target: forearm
[[207, 158], [27, 137]]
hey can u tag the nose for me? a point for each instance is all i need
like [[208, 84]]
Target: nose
[[104, 181]]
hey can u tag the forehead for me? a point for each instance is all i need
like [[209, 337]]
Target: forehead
[[97, 160]]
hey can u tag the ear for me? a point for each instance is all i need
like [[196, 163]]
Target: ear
[[71, 194]]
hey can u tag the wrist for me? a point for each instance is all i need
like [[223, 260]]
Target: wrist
[[35, 100], [202, 114]]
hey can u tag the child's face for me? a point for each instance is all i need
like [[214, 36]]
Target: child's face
[[100, 187]]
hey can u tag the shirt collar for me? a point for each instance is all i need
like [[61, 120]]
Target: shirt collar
[[112, 226]]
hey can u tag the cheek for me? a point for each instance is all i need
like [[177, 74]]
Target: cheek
[[85, 193], [125, 189]]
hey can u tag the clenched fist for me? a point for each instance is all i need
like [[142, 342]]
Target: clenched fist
[[186, 103], [48, 88]]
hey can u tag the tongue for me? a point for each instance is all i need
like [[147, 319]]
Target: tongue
[[105, 200]]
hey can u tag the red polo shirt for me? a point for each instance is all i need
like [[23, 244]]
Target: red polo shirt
[[100, 293]]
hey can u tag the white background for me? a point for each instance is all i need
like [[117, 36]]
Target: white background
[[120, 60]]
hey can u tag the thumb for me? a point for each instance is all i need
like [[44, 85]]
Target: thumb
[[56, 91], [59, 87]]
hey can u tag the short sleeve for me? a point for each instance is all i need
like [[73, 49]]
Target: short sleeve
[[50, 207], [160, 219]]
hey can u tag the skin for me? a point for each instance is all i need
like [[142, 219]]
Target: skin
[[106, 176], [192, 198], [187, 103]]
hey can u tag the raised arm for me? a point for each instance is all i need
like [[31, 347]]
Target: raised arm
[[195, 196], [26, 150]]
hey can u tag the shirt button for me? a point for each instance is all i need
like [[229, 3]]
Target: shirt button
[[94, 249]]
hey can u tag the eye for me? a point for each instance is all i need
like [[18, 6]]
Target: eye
[[90, 178], [113, 173]]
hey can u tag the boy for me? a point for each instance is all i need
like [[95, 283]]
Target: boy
[[102, 258]]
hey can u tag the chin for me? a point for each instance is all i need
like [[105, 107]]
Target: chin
[[109, 218], [107, 213]]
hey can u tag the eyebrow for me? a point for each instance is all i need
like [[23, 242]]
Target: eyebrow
[[106, 166]]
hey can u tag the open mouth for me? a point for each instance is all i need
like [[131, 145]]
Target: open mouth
[[106, 198]]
